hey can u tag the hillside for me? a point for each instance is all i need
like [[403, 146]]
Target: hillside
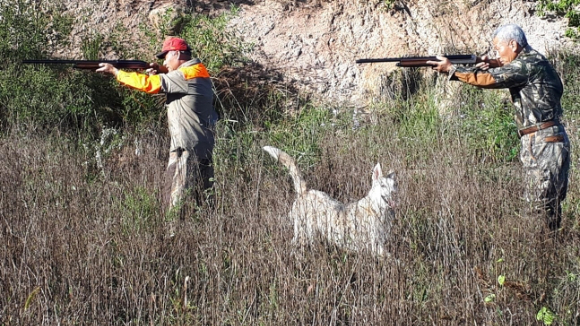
[[314, 43]]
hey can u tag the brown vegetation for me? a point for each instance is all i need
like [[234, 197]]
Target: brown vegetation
[[85, 246]]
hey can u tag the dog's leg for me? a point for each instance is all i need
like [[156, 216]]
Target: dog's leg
[[300, 229], [378, 249], [296, 238], [309, 231]]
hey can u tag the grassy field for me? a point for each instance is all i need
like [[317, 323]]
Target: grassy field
[[83, 238]]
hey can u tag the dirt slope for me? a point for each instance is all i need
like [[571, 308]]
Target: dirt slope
[[315, 42]]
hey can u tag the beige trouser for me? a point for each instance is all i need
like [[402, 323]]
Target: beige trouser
[[186, 174]]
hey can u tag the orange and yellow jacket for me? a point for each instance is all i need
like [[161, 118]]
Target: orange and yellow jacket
[[190, 112]]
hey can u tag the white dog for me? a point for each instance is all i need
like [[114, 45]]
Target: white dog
[[364, 224]]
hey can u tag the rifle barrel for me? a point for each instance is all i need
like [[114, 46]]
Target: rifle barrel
[[378, 60], [93, 64], [456, 58]]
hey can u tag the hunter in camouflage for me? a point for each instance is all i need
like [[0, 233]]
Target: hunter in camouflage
[[535, 89]]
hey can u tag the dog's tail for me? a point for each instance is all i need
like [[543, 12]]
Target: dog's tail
[[288, 161]]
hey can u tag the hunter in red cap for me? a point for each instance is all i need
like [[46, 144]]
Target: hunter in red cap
[[190, 114], [173, 44]]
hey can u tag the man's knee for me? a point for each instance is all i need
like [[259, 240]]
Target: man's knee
[[168, 184], [544, 212], [553, 215], [206, 173]]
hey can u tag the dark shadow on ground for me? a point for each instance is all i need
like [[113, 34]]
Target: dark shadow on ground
[[207, 6], [253, 93]]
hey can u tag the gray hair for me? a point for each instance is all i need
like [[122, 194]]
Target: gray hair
[[510, 32]]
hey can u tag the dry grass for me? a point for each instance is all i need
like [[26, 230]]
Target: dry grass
[[85, 246]]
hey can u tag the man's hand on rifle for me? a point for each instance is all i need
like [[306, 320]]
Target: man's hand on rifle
[[156, 68], [443, 65], [108, 68], [485, 63]]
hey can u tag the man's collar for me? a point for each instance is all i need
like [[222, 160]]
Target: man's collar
[[527, 49], [191, 62]]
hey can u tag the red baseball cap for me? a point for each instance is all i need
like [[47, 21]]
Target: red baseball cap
[[173, 44]]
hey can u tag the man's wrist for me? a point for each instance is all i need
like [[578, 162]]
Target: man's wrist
[[451, 72]]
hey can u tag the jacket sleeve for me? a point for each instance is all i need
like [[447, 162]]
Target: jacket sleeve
[[146, 83], [513, 74]]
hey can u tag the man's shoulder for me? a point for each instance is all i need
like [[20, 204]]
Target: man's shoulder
[[189, 63], [525, 63], [195, 70], [531, 56]]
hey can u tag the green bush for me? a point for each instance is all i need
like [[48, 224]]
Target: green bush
[[28, 30], [77, 101], [207, 36], [212, 43], [488, 125], [39, 96], [566, 8], [571, 77]]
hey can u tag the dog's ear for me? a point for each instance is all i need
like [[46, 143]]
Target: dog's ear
[[391, 175], [377, 172]]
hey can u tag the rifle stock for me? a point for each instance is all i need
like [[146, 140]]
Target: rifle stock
[[93, 64], [422, 61]]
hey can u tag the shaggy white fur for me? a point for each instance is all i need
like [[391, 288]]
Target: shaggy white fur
[[364, 224]]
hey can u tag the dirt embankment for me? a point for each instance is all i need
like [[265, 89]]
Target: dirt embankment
[[315, 43]]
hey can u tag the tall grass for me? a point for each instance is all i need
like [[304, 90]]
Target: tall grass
[[82, 230], [83, 244]]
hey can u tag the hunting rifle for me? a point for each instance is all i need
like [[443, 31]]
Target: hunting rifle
[[94, 64], [422, 61]]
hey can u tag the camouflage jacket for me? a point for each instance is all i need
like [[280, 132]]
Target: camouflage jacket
[[534, 85]]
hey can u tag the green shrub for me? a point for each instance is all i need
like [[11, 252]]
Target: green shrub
[[27, 30], [566, 8], [570, 73], [207, 36], [488, 125]]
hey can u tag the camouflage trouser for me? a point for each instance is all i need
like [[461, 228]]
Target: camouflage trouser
[[546, 161], [186, 172]]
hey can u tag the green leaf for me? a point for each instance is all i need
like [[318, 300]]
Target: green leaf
[[546, 315], [501, 279], [31, 297], [490, 298]]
